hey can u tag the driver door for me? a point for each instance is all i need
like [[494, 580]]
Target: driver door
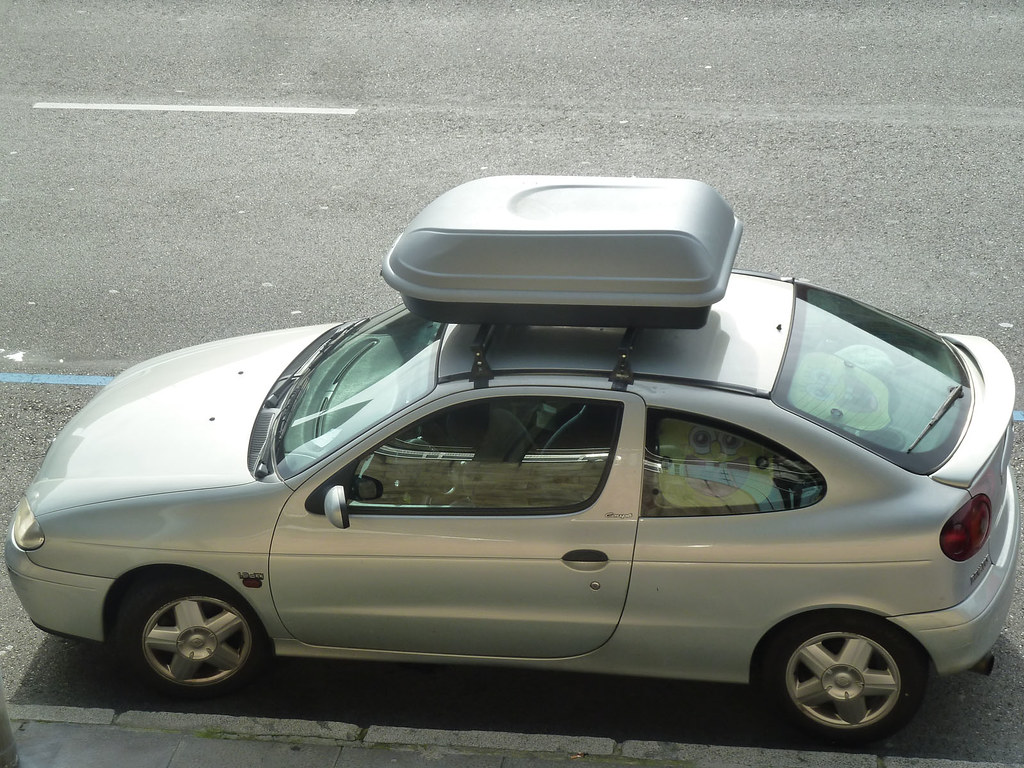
[[486, 525]]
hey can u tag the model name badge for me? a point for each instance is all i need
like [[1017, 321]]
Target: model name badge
[[619, 515], [984, 564], [251, 580]]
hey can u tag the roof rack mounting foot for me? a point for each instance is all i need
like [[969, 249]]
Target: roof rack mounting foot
[[622, 374], [481, 371]]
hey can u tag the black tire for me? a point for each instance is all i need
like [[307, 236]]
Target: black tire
[[190, 637], [846, 677]]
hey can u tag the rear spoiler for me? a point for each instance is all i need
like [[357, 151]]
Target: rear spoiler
[[994, 392]]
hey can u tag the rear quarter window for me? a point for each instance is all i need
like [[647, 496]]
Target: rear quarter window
[[696, 467], [886, 384]]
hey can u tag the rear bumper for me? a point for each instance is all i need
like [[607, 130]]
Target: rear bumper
[[958, 637], [63, 603]]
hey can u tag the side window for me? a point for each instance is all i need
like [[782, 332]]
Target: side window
[[695, 467], [505, 454]]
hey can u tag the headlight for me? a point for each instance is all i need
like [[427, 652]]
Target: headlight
[[26, 531]]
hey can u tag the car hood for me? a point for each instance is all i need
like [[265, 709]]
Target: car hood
[[178, 422]]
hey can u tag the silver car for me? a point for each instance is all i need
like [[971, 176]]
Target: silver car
[[783, 486]]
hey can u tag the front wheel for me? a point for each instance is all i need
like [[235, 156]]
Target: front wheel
[[849, 678], [190, 637]]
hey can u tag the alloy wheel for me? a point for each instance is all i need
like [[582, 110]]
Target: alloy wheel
[[843, 679], [196, 641]]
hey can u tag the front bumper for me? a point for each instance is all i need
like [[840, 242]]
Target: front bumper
[[59, 602], [959, 637]]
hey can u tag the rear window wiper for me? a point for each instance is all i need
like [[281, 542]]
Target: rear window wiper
[[955, 393]]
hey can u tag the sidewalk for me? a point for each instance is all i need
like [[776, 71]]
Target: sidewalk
[[68, 737]]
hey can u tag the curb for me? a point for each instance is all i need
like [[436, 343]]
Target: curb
[[539, 746]]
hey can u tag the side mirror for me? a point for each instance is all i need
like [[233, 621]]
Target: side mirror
[[336, 507], [367, 488]]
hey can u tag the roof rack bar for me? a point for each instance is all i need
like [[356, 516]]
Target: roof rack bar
[[622, 373], [481, 371]]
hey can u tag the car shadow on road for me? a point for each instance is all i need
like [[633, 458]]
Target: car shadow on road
[[956, 710]]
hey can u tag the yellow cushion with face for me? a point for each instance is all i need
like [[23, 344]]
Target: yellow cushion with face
[[840, 390], [711, 470]]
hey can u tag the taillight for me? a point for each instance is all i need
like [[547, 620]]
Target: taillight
[[966, 532]]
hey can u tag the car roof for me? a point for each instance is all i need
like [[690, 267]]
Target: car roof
[[739, 347]]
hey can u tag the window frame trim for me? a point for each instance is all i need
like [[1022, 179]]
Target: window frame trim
[[345, 462]]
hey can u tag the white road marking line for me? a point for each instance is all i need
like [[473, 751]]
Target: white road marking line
[[198, 108]]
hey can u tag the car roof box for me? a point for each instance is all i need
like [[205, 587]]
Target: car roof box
[[565, 250]]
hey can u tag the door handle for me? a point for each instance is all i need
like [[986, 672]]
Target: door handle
[[585, 556], [585, 559]]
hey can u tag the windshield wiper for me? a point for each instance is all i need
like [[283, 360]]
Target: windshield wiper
[[955, 393], [277, 400], [304, 362]]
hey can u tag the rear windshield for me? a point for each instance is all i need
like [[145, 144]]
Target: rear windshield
[[882, 382]]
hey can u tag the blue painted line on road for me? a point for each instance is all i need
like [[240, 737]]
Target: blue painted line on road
[[1018, 415], [47, 378]]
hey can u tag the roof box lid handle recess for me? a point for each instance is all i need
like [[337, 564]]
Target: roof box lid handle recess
[[568, 250]]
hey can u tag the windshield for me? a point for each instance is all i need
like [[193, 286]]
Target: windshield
[[360, 379], [884, 383]]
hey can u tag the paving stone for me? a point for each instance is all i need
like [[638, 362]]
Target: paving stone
[[577, 761], [707, 756], [59, 745], [244, 726], [50, 714], [514, 742], [919, 762], [236, 753], [370, 757]]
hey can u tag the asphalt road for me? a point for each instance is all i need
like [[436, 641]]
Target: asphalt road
[[874, 148]]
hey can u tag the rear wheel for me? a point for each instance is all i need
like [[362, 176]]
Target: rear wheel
[[191, 637], [846, 677]]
